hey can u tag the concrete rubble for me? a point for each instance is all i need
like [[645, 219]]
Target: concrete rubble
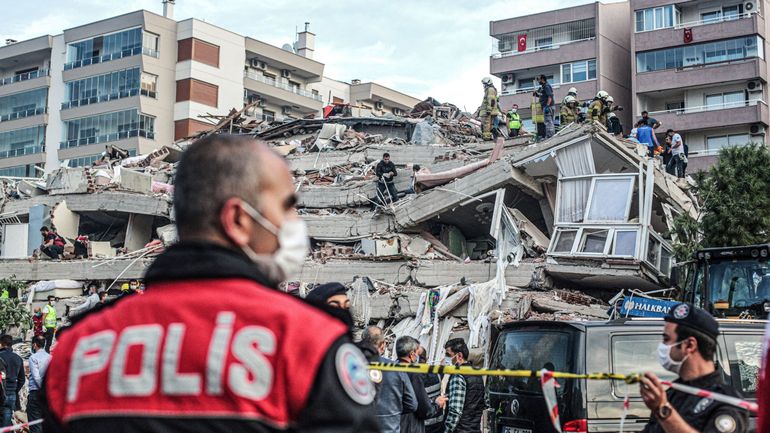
[[483, 233]]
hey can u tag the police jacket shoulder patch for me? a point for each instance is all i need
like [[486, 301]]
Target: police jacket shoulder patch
[[353, 374]]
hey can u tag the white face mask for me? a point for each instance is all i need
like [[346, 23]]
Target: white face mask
[[513, 110], [293, 242], [664, 357]]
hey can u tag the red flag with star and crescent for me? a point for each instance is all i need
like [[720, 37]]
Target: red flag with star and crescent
[[522, 42]]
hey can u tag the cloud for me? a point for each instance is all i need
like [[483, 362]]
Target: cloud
[[439, 48]]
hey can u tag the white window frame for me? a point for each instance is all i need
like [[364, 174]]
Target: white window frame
[[565, 66], [628, 202], [615, 242], [655, 25]]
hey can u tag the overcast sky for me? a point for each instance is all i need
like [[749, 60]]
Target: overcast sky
[[423, 48]]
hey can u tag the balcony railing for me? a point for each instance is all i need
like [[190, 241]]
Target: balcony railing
[[703, 108], [101, 98], [30, 150], [24, 77], [112, 56], [272, 82], [24, 113], [713, 20], [554, 86], [553, 46], [105, 138]]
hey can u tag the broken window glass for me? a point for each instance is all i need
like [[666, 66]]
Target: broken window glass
[[610, 199], [564, 241], [625, 243], [665, 261], [653, 250], [594, 241]]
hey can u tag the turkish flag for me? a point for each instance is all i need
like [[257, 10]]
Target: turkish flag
[[688, 35], [522, 42]]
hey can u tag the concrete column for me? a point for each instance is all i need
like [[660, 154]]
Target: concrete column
[[138, 232]]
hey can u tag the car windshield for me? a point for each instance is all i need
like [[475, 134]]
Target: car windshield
[[531, 350], [741, 283]]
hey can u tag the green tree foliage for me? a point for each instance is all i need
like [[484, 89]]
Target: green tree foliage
[[12, 311], [736, 198], [735, 203]]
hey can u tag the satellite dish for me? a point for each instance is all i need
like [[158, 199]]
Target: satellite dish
[[288, 47]]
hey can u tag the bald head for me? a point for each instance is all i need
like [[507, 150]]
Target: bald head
[[216, 169]]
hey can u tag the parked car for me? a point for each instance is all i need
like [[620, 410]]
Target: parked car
[[620, 346]]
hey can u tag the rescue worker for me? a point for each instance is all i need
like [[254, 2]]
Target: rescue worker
[[596, 108], [214, 346], [568, 112], [514, 121], [546, 101], [687, 350], [489, 108], [49, 322]]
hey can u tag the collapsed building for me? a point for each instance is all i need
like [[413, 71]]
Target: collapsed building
[[482, 233]]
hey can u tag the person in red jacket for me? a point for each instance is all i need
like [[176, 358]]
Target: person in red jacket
[[37, 322], [213, 345]]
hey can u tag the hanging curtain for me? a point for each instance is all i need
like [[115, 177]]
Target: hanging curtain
[[575, 160]]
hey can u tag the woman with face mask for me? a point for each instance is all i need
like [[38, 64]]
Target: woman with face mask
[[687, 350]]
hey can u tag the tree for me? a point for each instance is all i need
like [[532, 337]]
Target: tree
[[735, 203], [12, 311]]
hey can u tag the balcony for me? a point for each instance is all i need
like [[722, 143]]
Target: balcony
[[282, 94], [501, 63], [107, 138], [103, 98], [23, 114], [29, 150], [109, 57], [713, 116], [24, 77], [701, 75], [523, 97], [703, 31]]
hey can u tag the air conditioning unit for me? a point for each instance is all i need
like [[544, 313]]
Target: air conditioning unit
[[507, 78], [397, 112], [757, 129], [754, 86], [261, 103], [378, 105], [750, 7], [286, 110], [285, 73], [258, 64]]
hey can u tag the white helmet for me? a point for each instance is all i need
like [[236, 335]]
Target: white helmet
[[572, 91], [569, 99], [602, 94], [610, 99], [486, 81]]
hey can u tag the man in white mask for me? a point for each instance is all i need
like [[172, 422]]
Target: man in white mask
[[687, 350], [213, 345]]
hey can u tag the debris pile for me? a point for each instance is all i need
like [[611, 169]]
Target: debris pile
[[480, 233]]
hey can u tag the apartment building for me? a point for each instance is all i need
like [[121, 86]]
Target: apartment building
[[699, 67], [586, 47], [142, 80], [372, 97]]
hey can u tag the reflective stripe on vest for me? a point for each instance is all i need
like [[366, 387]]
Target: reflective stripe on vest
[[514, 121], [50, 318]]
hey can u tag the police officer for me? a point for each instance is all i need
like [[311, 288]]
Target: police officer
[[687, 350], [213, 345], [489, 108]]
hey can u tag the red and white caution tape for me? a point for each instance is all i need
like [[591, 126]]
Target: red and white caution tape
[[727, 399], [548, 382], [20, 426]]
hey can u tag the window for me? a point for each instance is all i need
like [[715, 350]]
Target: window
[[110, 47], [578, 71], [700, 54], [84, 161], [150, 41], [710, 17], [268, 116], [745, 355], [656, 18], [19, 171], [636, 353], [101, 88], [731, 12], [625, 243], [149, 84], [610, 199], [543, 43], [107, 127], [564, 241], [719, 101], [593, 241], [23, 104], [714, 144], [21, 142]]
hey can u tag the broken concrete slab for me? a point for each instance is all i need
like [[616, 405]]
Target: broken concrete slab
[[65, 221], [314, 161], [348, 227], [138, 232], [70, 181], [109, 201], [135, 181], [38, 270], [102, 250]]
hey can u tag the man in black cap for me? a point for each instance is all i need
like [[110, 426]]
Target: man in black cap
[[332, 294], [688, 347]]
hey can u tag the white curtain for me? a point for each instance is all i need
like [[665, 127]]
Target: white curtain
[[575, 160]]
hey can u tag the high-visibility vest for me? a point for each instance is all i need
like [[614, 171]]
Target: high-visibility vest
[[50, 318], [514, 120], [5, 294]]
